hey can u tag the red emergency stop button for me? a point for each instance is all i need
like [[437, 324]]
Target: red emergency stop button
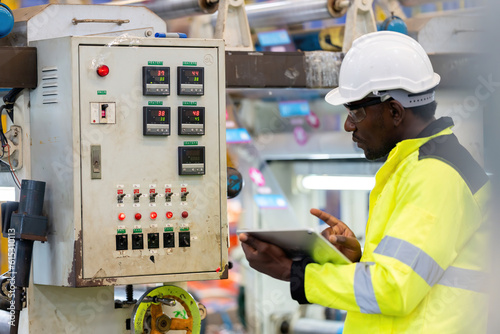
[[153, 215], [169, 215], [138, 216], [185, 214], [121, 216], [102, 70]]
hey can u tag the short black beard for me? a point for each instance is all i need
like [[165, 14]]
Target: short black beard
[[376, 158], [380, 154]]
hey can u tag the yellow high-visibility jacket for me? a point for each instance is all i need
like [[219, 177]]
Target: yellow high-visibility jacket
[[423, 268]]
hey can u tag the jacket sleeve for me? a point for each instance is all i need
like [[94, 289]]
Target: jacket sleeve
[[420, 225]]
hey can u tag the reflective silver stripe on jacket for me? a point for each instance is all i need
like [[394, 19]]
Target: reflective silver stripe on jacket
[[363, 289], [419, 261], [466, 279]]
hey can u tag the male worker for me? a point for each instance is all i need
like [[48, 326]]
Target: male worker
[[422, 268]]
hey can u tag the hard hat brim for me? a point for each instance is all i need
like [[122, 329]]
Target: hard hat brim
[[335, 97]]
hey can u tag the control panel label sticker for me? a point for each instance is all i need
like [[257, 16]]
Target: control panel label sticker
[[189, 63], [155, 103], [102, 92], [190, 143], [189, 103], [155, 62]]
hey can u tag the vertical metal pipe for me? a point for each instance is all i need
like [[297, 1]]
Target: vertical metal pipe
[[16, 312], [31, 203]]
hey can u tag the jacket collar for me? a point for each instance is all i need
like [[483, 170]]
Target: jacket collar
[[406, 147], [436, 127]]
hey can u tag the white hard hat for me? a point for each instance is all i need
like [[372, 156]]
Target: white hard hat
[[381, 62]]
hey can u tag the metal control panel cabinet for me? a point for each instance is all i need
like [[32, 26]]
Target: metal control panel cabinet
[[129, 198]]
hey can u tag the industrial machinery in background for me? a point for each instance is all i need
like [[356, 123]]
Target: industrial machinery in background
[[128, 133]]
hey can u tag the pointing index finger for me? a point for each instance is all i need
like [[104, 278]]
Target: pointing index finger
[[327, 218]]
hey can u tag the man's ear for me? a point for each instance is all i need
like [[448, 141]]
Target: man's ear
[[398, 112]]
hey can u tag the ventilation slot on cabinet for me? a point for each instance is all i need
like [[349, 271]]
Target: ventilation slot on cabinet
[[50, 85]]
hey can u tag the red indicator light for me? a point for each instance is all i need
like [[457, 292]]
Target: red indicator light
[[169, 215], [138, 216], [153, 215], [102, 70], [185, 214], [121, 216]]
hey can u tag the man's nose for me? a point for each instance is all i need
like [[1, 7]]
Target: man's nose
[[349, 125]]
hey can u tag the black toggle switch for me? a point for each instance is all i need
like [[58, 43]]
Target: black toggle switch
[[137, 196], [120, 197]]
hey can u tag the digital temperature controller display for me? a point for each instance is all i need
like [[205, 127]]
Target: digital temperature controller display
[[190, 80], [192, 160], [191, 120], [155, 80], [156, 121]]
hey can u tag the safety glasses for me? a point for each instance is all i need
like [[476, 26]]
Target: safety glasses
[[357, 110]]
